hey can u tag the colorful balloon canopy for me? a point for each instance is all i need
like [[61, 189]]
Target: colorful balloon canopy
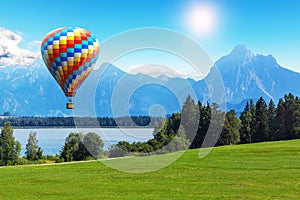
[[70, 54]]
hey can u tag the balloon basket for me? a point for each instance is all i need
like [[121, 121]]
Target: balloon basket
[[70, 106]]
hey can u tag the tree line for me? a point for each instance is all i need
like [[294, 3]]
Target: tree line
[[262, 122], [259, 122], [78, 121]]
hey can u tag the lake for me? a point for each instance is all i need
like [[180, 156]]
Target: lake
[[51, 140]]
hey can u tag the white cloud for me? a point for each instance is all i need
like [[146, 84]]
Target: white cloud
[[34, 45], [191, 74], [159, 70], [10, 52], [153, 70]]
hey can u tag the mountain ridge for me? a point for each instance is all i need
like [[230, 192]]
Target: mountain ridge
[[255, 76], [32, 91]]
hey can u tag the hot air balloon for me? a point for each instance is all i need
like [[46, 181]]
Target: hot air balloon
[[70, 54]]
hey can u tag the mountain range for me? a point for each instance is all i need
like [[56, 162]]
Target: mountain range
[[31, 90]]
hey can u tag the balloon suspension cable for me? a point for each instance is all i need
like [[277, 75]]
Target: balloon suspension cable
[[70, 104]]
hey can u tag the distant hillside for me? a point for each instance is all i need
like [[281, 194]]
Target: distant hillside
[[32, 91]]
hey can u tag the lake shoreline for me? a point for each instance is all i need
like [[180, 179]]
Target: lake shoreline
[[76, 127]]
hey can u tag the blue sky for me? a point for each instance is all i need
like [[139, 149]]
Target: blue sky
[[264, 26]]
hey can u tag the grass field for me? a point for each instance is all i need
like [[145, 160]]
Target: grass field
[[256, 171]]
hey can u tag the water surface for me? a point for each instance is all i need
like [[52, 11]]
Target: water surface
[[52, 140]]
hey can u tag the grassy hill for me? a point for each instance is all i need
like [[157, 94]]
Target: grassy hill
[[256, 171]]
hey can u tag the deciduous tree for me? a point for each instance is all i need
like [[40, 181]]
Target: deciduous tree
[[33, 151]]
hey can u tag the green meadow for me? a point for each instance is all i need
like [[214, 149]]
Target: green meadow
[[253, 171]]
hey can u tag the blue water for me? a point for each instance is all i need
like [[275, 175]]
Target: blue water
[[52, 140]]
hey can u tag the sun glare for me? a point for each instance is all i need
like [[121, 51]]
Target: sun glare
[[201, 19]]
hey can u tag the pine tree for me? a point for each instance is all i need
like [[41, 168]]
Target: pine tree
[[230, 133], [260, 122], [296, 130], [245, 129], [252, 111], [9, 147], [214, 126], [252, 107], [190, 118], [280, 121], [205, 118], [247, 107], [292, 116], [271, 119], [33, 151], [196, 143]]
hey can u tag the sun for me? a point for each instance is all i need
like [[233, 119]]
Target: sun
[[201, 19]]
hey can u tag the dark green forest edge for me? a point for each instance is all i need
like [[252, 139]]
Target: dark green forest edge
[[69, 122], [259, 122]]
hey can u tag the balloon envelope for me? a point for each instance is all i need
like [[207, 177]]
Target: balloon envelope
[[70, 54]]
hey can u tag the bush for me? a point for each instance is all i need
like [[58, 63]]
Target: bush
[[24, 161], [116, 151], [79, 147]]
